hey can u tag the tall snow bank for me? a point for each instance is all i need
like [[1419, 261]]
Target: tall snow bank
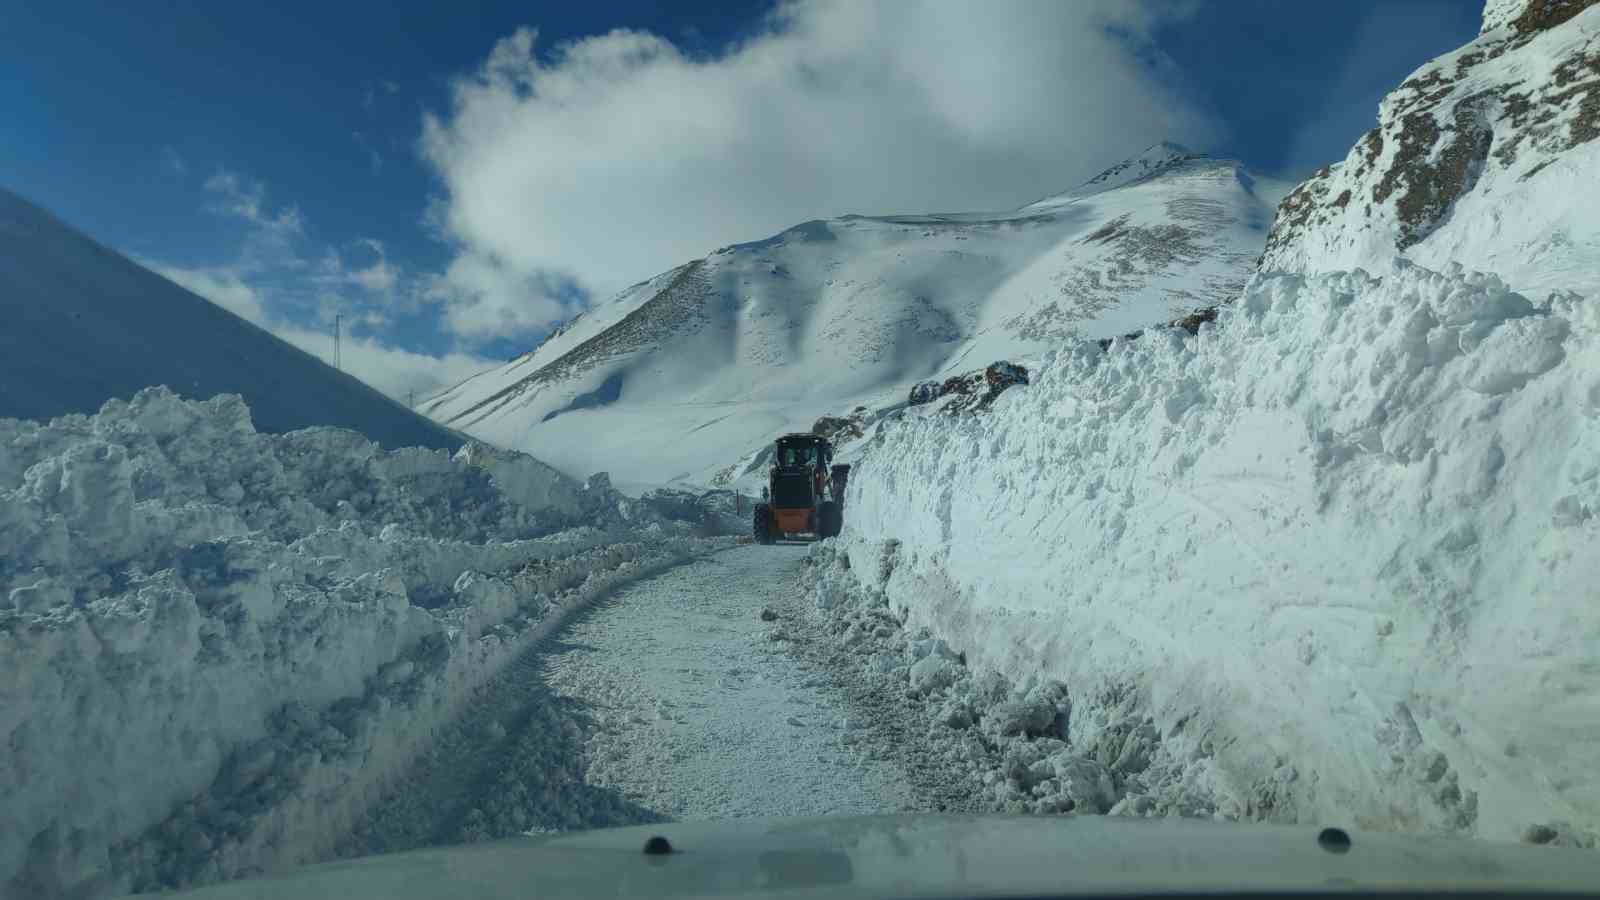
[[217, 645], [1343, 543]]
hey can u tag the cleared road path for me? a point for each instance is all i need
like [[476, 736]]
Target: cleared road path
[[698, 715]]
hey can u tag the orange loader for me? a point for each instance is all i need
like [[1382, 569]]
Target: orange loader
[[804, 497]]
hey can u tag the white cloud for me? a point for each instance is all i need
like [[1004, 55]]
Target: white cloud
[[245, 199], [392, 370], [221, 285], [483, 298], [280, 279], [617, 157], [378, 277]]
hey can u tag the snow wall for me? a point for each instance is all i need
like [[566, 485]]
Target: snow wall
[[1342, 544], [218, 646]]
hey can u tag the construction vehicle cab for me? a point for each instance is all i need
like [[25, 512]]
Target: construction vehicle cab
[[805, 491]]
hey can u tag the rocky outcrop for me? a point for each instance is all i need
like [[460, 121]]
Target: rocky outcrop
[[840, 429], [1481, 120], [1528, 16], [970, 392], [1190, 323]]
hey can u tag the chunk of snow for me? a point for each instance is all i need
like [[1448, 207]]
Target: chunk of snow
[[932, 673]]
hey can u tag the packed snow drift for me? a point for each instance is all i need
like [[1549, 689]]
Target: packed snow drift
[[1341, 544], [217, 646], [972, 739]]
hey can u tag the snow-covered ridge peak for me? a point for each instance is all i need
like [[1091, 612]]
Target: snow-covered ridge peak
[[1484, 155], [1528, 16], [1154, 160]]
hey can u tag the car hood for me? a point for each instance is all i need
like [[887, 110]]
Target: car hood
[[923, 856]]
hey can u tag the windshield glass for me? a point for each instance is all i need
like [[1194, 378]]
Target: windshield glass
[[422, 428], [798, 456]]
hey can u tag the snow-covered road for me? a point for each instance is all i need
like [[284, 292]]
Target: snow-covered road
[[699, 714]]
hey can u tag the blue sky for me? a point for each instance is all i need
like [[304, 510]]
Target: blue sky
[[454, 177]]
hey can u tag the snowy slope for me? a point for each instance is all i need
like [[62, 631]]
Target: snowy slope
[[1341, 548], [217, 646], [680, 376], [80, 324], [1487, 156]]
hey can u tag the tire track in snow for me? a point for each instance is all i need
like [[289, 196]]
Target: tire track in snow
[[697, 714], [894, 725], [511, 765], [510, 761]]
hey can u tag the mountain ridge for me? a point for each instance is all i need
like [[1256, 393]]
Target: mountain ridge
[[1153, 161], [833, 313]]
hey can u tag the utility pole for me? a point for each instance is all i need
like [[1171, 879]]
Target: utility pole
[[338, 322], [412, 395]]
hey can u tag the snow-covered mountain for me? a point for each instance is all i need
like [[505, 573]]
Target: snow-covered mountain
[[680, 375], [83, 324], [1485, 156]]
